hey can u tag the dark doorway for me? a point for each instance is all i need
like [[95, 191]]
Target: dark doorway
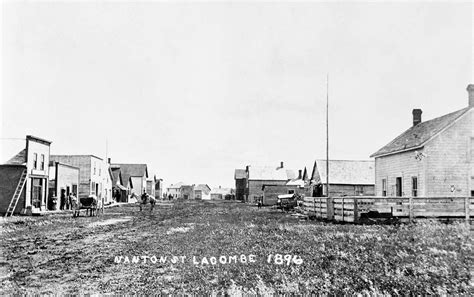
[[398, 187]]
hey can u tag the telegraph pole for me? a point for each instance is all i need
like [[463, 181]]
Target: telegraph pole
[[327, 135]]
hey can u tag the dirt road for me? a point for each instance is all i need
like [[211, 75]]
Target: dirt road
[[199, 247]]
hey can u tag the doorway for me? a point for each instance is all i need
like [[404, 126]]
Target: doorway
[[398, 187]]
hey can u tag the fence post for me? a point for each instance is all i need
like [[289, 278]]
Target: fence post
[[314, 207], [410, 207], [356, 211], [466, 208], [330, 208]]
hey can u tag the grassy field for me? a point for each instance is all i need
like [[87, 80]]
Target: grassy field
[[59, 254]]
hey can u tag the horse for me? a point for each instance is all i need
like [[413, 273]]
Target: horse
[[90, 204], [145, 199]]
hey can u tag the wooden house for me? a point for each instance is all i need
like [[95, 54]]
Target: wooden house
[[120, 192], [222, 193], [258, 176], [346, 178], [63, 180], [175, 190], [31, 163], [431, 158], [202, 192], [137, 174], [187, 192]]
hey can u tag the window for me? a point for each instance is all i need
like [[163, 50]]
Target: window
[[398, 187], [291, 191], [384, 187], [35, 161], [42, 162], [94, 167], [93, 192], [36, 192], [414, 186], [100, 171], [359, 190]]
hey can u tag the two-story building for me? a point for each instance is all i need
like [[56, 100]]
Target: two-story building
[[33, 160], [92, 174], [63, 180], [431, 158]]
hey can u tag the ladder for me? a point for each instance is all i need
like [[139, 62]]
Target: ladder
[[17, 194]]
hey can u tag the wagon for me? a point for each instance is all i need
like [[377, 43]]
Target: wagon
[[286, 202], [91, 204]]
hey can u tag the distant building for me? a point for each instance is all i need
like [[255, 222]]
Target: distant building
[[34, 158], [240, 177], [202, 192], [187, 192], [222, 193], [175, 190], [120, 192], [138, 175], [159, 187], [258, 176], [432, 158], [346, 178], [63, 180]]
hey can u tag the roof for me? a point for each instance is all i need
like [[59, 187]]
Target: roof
[[240, 173], [270, 173], [418, 135], [37, 139], [116, 175], [202, 187], [18, 159], [176, 185], [222, 191], [77, 156], [346, 172], [296, 182], [132, 170], [121, 187]]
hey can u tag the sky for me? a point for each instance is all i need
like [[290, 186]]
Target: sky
[[196, 90]]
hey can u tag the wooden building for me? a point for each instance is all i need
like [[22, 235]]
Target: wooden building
[[93, 174], [120, 189], [346, 178], [175, 190], [431, 158], [186, 192], [202, 192], [222, 194], [258, 176], [240, 177], [63, 180], [137, 174], [32, 161], [159, 188]]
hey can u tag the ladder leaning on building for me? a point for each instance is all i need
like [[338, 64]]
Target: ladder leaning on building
[[17, 194]]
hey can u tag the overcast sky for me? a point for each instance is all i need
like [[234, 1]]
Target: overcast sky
[[196, 90]]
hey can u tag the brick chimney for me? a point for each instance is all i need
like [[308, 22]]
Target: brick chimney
[[417, 116], [281, 164], [300, 174], [470, 91], [109, 160]]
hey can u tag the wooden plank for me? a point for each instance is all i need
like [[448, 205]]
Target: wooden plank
[[437, 214]]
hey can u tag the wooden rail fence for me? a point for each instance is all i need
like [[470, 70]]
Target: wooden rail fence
[[352, 209]]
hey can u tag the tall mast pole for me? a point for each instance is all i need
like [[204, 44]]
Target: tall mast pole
[[327, 135]]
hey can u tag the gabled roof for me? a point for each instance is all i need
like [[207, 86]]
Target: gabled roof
[[418, 135], [222, 191], [132, 170], [345, 172], [18, 159], [116, 175], [296, 182], [203, 187], [176, 185], [270, 173], [240, 173]]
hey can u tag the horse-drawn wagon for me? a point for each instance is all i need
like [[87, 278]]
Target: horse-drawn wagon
[[91, 204]]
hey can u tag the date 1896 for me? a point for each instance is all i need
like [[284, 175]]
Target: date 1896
[[279, 259]]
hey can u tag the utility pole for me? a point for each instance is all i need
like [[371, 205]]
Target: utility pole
[[327, 135]]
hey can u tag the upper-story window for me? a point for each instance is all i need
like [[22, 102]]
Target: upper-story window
[[42, 162], [94, 168], [100, 170], [35, 161], [414, 186]]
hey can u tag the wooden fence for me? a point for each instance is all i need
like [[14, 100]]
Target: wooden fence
[[352, 209]]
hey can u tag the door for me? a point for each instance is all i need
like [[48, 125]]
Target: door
[[398, 187]]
